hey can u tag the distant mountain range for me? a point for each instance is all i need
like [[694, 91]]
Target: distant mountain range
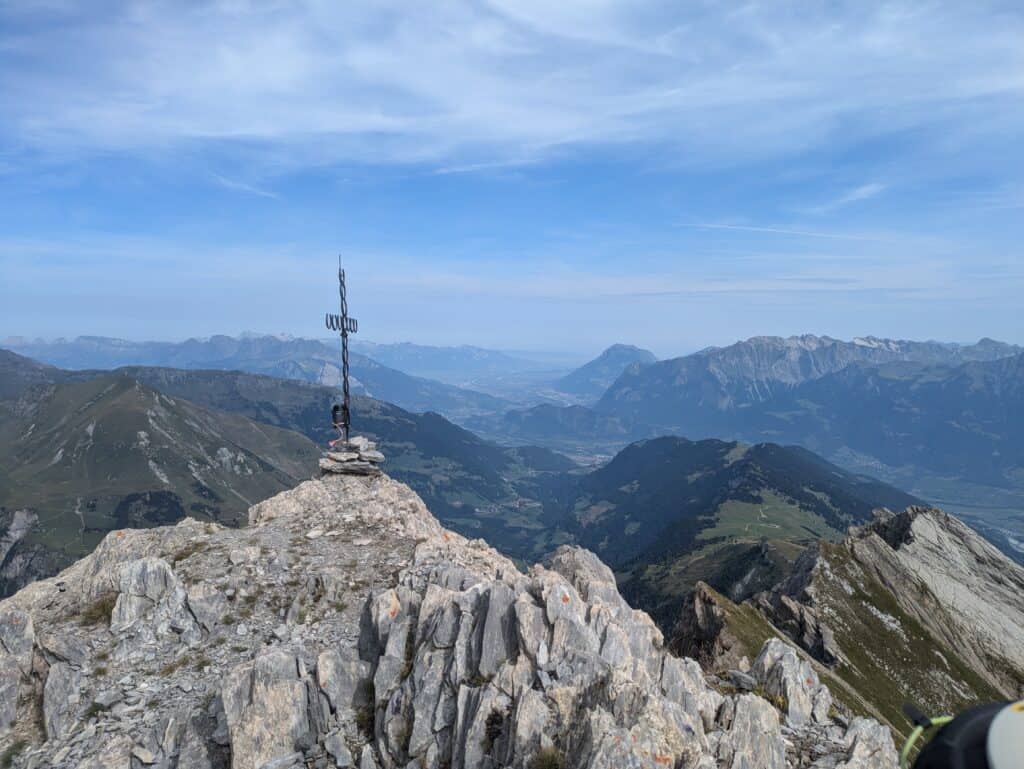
[[307, 360], [726, 543], [90, 451], [107, 474], [944, 421], [687, 392], [929, 416]]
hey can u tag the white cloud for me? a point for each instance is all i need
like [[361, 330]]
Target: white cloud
[[464, 85], [233, 184], [855, 195], [785, 231]]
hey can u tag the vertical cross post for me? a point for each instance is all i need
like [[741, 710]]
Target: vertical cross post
[[345, 325]]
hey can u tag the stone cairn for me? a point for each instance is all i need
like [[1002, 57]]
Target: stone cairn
[[357, 457]]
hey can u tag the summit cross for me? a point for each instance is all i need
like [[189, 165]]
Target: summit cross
[[342, 417]]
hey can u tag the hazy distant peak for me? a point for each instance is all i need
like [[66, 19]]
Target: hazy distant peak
[[593, 378], [619, 348]]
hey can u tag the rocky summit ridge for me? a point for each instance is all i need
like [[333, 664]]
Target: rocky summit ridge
[[347, 628], [911, 606]]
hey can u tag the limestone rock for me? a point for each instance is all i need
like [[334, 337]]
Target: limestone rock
[[17, 637], [152, 600], [791, 679], [266, 703], [702, 632], [343, 678], [753, 740], [10, 686], [951, 566], [869, 746], [207, 604], [61, 696], [115, 753], [403, 645]]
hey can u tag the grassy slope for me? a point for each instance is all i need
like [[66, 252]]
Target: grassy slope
[[890, 658], [476, 487], [748, 547], [774, 517], [108, 452]]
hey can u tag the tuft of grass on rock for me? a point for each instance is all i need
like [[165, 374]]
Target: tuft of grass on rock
[[547, 758], [94, 710], [493, 729], [366, 720], [98, 612], [172, 667]]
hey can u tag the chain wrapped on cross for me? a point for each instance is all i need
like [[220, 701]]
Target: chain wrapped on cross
[[341, 415]]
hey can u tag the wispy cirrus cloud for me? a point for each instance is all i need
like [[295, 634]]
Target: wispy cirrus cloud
[[471, 84], [857, 194], [799, 233], [460, 152], [233, 184]]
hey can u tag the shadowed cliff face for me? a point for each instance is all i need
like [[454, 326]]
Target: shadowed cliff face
[[347, 627]]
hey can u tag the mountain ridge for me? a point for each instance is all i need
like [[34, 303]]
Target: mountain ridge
[[308, 360], [84, 457], [912, 606], [467, 480], [751, 371], [336, 627]]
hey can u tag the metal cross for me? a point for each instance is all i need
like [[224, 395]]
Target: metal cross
[[342, 417]]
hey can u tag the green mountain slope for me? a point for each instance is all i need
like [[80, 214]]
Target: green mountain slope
[[660, 495], [910, 607], [471, 484], [90, 456], [942, 421], [475, 486], [668, 512]]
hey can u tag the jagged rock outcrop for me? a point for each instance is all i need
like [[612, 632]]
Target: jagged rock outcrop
[[953, 581], [702, 631], [939, 572], [346, 628], [790, 606]]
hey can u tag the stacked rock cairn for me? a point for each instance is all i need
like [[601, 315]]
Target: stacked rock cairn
[[357, 457]]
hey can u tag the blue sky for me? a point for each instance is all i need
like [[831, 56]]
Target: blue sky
[[513, 174]]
